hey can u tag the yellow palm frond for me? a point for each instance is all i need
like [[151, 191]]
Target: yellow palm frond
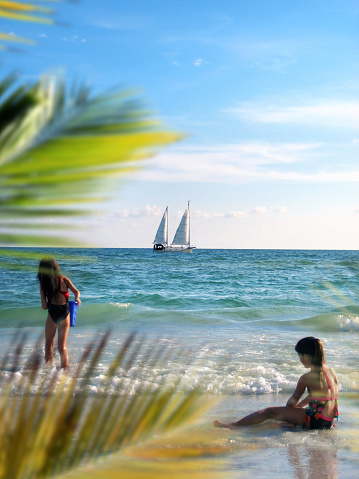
[[149, 469], [25, 12], [52, 424], [23, 7], [13, 38]]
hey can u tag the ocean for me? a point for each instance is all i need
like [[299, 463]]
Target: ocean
[[230, 319]]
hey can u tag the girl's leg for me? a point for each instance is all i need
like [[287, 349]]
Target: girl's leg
[[292, 415], [61, 341], [50, 331]]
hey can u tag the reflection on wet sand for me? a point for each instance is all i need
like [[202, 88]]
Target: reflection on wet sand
[[313, 462]]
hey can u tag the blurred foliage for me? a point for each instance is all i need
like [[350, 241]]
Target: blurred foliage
[[52, 422], [59, 148], [28, 260], [23, 11], [185, 468]]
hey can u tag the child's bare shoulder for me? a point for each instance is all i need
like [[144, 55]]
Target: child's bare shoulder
[[309, 379], [306, 375], [305, 378]]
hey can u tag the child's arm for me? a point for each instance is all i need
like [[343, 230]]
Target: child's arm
[[74, 290], [298, 393], [43, 299]]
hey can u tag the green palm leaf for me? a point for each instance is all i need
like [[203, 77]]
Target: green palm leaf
[[60, 146]]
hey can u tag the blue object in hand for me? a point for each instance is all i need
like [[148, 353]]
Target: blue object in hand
[[73, 312]]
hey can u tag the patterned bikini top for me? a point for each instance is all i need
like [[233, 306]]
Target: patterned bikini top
[[318, 403]]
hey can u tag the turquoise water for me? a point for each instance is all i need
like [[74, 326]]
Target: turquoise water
[[245, 307], [230, 318]]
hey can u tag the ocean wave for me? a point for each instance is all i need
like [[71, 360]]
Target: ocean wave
[[346, 320], [255, 380], [136, 315]]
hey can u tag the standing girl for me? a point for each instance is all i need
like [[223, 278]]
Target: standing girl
[[54, 290], [322, 399]]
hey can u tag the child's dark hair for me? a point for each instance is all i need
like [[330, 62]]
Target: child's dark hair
[[48, 274], [313, 347]]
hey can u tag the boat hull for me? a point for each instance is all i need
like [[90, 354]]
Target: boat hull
[[174, 249]]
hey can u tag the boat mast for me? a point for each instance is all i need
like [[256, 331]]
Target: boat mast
[[189, 227], [167, 225]]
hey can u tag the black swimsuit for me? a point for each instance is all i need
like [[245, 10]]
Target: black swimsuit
[[59, 312]]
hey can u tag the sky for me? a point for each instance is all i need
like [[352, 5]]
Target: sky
[[265, 92]]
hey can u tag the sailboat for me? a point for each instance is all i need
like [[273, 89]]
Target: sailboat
[[182, 239]]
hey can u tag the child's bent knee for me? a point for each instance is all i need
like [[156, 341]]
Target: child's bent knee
[[270, 412]]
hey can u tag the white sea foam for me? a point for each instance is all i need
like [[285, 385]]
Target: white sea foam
[[348, 322], [121, 305]]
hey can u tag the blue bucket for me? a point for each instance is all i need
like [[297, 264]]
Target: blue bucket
[[73, 312]]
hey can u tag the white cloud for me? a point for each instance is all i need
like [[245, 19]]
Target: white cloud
[[236, 214], [74, 39], [43, 35], [198, 62], [157, 211], [214, 214], [262, 210], [259, 210], [343, 114], [270, 56], [239, 163], [280, 209], [121, 22], [247, 163], [147, 211]]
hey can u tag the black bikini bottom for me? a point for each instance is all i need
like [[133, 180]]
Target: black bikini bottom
[[312, 423], [58, 312]]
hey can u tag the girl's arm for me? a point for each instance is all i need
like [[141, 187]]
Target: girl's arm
[[298, 393], [43, 299], [74, 290]]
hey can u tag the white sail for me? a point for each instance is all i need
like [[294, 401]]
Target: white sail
[[162, 232], [182, 233]]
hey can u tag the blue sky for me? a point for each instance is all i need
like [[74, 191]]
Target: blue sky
[[267, 94]]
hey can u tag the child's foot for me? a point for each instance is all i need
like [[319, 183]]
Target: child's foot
[[222, 424]]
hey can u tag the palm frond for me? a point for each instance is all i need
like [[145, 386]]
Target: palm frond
[[51, 424], [12, 38], [177, 469], [28, 260], [59, 147], [24, 12]]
